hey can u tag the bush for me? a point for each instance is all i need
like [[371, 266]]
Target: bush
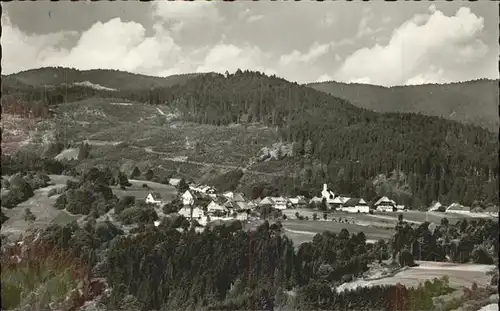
[[138, 215], [124, 203]]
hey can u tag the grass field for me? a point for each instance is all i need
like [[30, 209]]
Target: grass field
[[166, 191], [40, 205], [304, 230], [459, 275], [376, 226]]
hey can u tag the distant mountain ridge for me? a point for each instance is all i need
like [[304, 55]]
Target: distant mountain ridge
[[108, 78], [473, 102]]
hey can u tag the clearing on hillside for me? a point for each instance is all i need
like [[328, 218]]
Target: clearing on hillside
[[459, 275], [40, 205]]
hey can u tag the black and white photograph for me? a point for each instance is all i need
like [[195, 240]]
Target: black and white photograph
[[249, 155]]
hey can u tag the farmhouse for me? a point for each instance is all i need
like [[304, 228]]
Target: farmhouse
[[355, 206], [280, 203], [153, 198], [191, 212], [243, 216], [339, 201], [216, 210], [190, 197], [274, 202], [235, 196], [298, 201], [458, 209], [266, 201], [384, 204], [242, 205]]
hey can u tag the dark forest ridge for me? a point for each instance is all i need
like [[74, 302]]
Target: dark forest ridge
[[109, 78], [472, 102]]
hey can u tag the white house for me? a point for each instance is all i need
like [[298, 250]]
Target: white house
[[266, 201], [327, 194], [275, 202], [187, 198], [384, 204], [187, 211], [298, 201], [243, 216], [457, 208], [280, 203], [339, 201], [355, 206], [153, 198]]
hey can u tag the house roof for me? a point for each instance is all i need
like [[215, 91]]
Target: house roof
[[214, 206], [242, 205], [194, 194], [238, 197], [196, 210], [231, 204], [266, 201], [297, 200], [457, 207], [317, 199], [385, 200], [355, 202], [156, 195]]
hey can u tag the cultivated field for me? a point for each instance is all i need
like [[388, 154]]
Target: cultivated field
[[459, 275], [304, 230], [41, 206], [377, 226]]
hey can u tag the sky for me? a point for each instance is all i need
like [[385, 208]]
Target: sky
[[400, 43]]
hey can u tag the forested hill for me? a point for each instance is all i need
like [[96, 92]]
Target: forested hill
[[345, 145], [112, 79], [472, 102], [334, 141]]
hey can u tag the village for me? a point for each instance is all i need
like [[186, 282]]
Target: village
[[205, 204]]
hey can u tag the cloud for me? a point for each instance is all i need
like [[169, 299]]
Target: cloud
[[28, 51], [363, 28], [181, 14], [229, 57], [421, 43], [315, 51]]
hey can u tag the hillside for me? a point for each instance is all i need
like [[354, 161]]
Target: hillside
[[472, 102], [213, 124], [111, 79]]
